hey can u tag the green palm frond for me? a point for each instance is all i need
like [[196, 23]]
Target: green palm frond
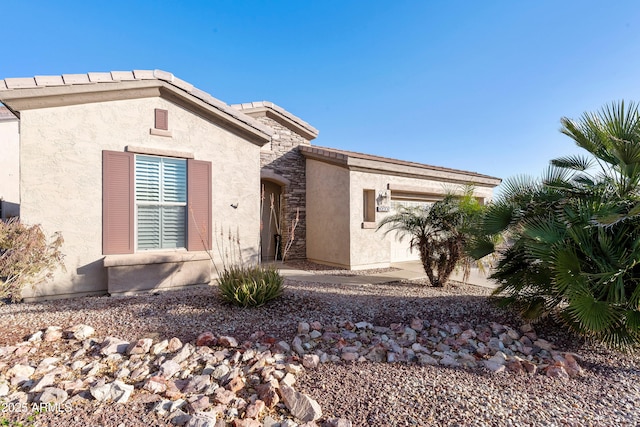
[[574, 162], [591, 315]]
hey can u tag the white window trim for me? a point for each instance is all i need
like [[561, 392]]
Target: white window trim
[[147, 203]]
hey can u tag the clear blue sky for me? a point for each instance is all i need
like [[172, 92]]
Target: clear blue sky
[[475, 85]]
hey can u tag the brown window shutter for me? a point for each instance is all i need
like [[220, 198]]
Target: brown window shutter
[[117, 202], [199, 205], [161, 119]]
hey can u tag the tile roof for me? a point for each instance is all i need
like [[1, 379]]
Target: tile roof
[[9, 84], [6, 114], [249, 107], [343, 156]]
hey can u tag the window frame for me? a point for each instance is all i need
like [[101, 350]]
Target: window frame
[[160, 204], [118, 202]]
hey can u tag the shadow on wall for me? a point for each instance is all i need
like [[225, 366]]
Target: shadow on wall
[[9, 209]]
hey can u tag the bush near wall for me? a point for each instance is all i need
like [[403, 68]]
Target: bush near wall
[[27, 257]]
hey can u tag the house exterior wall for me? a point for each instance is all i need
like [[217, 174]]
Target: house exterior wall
[[371, 248], [337, 233], [9, 166], [282, 158], [61, 178], [328, 214]]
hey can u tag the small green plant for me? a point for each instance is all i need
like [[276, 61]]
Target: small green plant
[[250, 286], [26, 257]]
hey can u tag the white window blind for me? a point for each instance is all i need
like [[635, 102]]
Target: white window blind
[[161, 200]]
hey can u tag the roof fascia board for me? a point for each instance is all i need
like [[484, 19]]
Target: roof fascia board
[[57, 96], [214, 115], [374, 166]]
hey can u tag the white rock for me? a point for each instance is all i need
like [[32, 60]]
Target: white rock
[[43, 382], [23, 371], [116, 391], [310, 361], [53, 395], [82, 332], [112, 345], [303, 328], [36, 337], [300, 405], [169, 369], [159, 347]]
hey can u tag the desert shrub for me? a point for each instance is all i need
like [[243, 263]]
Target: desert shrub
[[574, 235], [440, 232], [27, 257], [250, 286]]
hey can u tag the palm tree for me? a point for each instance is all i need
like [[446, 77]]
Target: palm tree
[[575, 234], [439, 232]]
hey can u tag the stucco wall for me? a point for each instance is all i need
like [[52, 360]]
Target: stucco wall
[[61, 177], [328, 221], [369, 248], [9, 166], [282, 158]]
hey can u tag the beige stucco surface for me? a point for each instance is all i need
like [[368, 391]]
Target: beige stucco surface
[[328, 220], [61, 177], [336, 192], [9, 166]]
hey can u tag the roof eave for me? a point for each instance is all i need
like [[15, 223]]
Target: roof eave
[[27, 98], [396, 168], [280, 115]]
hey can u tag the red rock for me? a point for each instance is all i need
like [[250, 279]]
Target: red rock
[[236, 384], [269, 340], [555, 371], [173, 392], [515, 366], [223, 396], [174, 345], [200, 404], [226, 341], [417, 324], [530, 367], [206, 339], [315, 326], [52, 333], [268, 394], [255, 409]]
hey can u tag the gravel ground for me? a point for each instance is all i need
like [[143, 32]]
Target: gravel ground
[[369, 394]]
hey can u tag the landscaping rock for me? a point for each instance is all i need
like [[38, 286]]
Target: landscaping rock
[[116, 391], [112, 345], [300, 405], [206, 339], [81, 332], [52, 333], [226, 341], [53, 395]]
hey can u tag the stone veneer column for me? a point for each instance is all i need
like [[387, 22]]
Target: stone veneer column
[[285, 159]]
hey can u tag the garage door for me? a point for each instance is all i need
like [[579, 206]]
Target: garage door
[[400, 251]]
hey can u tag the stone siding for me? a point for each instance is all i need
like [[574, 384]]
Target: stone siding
[[283, 158]]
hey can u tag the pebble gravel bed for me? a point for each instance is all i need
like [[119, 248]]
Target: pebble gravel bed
[[366, 393]]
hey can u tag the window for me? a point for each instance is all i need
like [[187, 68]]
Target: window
[[369, 206], [158, 202], [161, 200]]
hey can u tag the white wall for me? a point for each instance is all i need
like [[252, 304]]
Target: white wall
[[10, 166]]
